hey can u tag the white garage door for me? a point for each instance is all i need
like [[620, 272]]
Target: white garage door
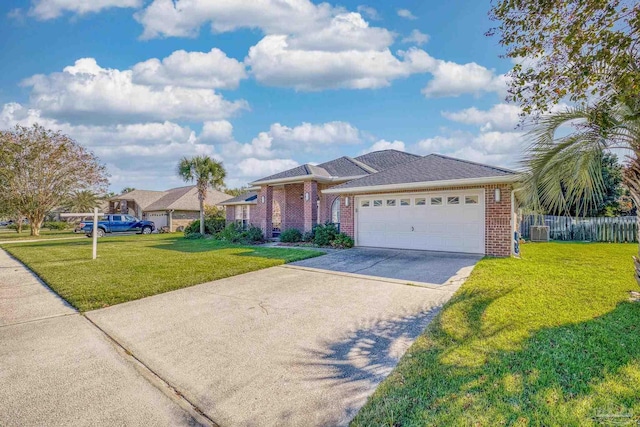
[[443, 221], [158, 218]]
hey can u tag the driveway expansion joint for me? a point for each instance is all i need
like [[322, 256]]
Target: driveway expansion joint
[[156, 380]]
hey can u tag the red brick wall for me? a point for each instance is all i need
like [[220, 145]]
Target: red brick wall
[[347, 215], [498, 229], [310, 206], [230, 214], [293, 207], [261, 219]]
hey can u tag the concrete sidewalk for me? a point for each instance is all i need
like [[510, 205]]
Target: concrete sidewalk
[[58, 369]]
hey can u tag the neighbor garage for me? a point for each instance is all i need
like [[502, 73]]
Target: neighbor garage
[[451, 221]]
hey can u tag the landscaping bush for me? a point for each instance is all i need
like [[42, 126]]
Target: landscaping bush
[[195, 235], [231, 233], [55, 225], [308, 236], [253, 234], [325, 234], [342, 241], [292, 235], [14, 226], [211, 226]]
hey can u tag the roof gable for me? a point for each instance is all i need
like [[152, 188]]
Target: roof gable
[[431, 168], [346, 167], [385, 159]]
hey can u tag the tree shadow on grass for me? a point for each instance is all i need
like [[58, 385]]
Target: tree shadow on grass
[[580, 374]]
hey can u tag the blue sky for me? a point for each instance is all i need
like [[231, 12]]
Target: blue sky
[[262, 85]]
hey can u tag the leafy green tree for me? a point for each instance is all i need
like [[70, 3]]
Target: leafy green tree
[[40, 169], [570, 49], [127, 190], [206, 172], [82, 201]]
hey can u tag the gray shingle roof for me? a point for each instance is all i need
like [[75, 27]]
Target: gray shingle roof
[[434, 167], [180, 198], [346, 167], [342, 167], [249, 197], [382, 160]]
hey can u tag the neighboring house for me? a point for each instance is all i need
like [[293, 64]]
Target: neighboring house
[[240, 209], [172, 208], [394, 199]]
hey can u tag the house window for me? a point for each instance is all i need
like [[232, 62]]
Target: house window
[[335, 211], [470, 200], [377, 203], [391, 202], [436, 201], [405, 202], [421, 201], [365, 203], [453, 200]]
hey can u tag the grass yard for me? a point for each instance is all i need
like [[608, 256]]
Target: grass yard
[[548, 340], [6, 235], [132, 267]]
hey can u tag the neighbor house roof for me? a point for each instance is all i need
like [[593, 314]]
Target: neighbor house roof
[[342, 168], [248, 198], [429, 171], [180, 198]]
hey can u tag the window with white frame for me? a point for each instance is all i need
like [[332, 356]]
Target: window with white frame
[[391, 202], [421, 201], [365, 203], [405, 202], [453, 200], [436, 201], [377, 203], [470, 200]]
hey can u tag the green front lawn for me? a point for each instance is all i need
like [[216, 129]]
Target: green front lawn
[[132, 267], [548, 340], [6, 235]]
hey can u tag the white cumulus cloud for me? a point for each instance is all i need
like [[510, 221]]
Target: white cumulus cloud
[[183, 18], [51, 9], [258, 168], [406, 14], [417, 37], [209, 70], [86, 92], [500, 117], [453, 79]]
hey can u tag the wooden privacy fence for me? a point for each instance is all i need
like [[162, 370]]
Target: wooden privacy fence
[[601, 229]]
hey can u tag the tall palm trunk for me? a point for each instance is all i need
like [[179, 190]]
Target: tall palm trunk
[[632, 180]]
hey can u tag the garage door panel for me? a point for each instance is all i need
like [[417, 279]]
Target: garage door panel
[[447, 227]]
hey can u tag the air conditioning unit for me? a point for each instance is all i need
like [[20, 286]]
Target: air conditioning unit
[[539, 233]]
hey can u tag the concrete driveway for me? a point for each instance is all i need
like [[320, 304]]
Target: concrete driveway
[[431, 268], [277, 347]]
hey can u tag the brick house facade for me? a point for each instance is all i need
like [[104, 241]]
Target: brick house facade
[[304, 196]]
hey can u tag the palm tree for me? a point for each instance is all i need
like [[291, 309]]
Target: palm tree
[[206, 172], [82, 201], [566, 170]]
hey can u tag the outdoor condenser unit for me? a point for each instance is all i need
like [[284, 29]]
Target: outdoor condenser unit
[[539, 233]]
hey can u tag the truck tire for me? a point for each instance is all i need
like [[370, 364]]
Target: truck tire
[[146, 230], [100, 232]]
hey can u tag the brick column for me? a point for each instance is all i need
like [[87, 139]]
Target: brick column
[[498, 221], [264, 211], [347, 216], [310, 204]]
